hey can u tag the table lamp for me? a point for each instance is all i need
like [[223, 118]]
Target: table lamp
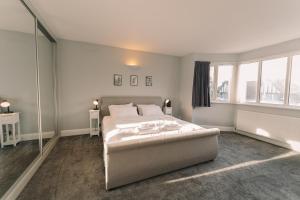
[[167, 103], [96, 103], [5, 104]]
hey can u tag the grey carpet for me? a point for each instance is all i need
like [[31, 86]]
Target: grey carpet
[[14, 160], [245, 169]]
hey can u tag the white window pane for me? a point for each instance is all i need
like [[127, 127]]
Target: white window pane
[[295, 82], [273, 80], [211, 81], [224, 82], [247, 85]]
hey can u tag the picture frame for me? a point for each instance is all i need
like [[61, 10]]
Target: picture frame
[[134, 80], [117, 80], [148, 81]]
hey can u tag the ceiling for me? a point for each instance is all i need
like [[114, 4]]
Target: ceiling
[[15, 17], [174, 27]]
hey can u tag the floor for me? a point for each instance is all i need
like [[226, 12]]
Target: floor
[[244, 169], [14, 160]]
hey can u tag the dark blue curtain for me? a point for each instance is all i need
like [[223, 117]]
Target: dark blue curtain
[[201, 96]]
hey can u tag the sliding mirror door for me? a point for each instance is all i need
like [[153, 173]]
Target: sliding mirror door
[[18, 92], [47, 83]]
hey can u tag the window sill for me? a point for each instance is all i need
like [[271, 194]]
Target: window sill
[[221, 102], [265, 105]]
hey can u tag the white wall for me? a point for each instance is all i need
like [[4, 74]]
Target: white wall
[[186, 87], [85, 72], [218, 114], [273, 50], [270, 110]]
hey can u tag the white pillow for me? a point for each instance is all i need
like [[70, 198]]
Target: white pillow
[[121, 105], [123, 111], [150, 110]]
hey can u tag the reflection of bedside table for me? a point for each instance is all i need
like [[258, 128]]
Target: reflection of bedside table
[[168, 110], [11, 122], [94, 116]]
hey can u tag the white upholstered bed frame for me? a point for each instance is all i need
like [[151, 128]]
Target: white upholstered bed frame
[[130, 163]]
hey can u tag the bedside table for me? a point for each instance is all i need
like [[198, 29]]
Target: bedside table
[[8, 120], [168, 110], [94, 116]]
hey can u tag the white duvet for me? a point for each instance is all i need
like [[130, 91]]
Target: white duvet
[[135, 128]]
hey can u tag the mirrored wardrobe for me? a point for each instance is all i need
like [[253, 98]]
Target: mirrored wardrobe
[[27, 90], [46, 64]]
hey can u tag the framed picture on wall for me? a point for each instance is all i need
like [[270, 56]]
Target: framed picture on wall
[[133, 80], [117, 80], [148, 80]]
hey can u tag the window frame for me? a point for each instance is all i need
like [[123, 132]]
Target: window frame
[[213, 96], [286, 104], [233, 98], [290, 66], [285, 80]]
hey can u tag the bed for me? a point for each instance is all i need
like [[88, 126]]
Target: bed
[[136, 148]]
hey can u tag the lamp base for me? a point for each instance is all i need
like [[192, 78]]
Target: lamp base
[[8, 111]]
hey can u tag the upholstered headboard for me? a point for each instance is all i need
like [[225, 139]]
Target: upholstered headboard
[[117, 100]]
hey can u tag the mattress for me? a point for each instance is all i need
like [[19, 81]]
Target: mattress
[[132, 132]]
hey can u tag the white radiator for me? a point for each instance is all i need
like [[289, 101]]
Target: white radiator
[[282, 130]]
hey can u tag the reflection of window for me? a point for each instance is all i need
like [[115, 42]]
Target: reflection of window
[[224, 82], [273, 80], [295, 82], [211, 81], [247, 85]]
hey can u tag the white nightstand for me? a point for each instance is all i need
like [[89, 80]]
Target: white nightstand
[[8, 120], [94, 115], [168, 110]]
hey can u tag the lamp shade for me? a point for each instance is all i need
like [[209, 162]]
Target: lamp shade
[[168, 103], [96, 102], [5, 104]]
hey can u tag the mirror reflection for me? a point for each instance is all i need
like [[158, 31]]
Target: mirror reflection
[[18, 92]]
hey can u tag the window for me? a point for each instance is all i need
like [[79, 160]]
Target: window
[[220, 82], [295, 82], [211, 81], [224, 82], [247, 84], [273, 80]]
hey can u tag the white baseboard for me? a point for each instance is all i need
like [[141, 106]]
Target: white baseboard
[[268, 140], [35, 136], [222, 128], [25, 177], [73, 132]]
